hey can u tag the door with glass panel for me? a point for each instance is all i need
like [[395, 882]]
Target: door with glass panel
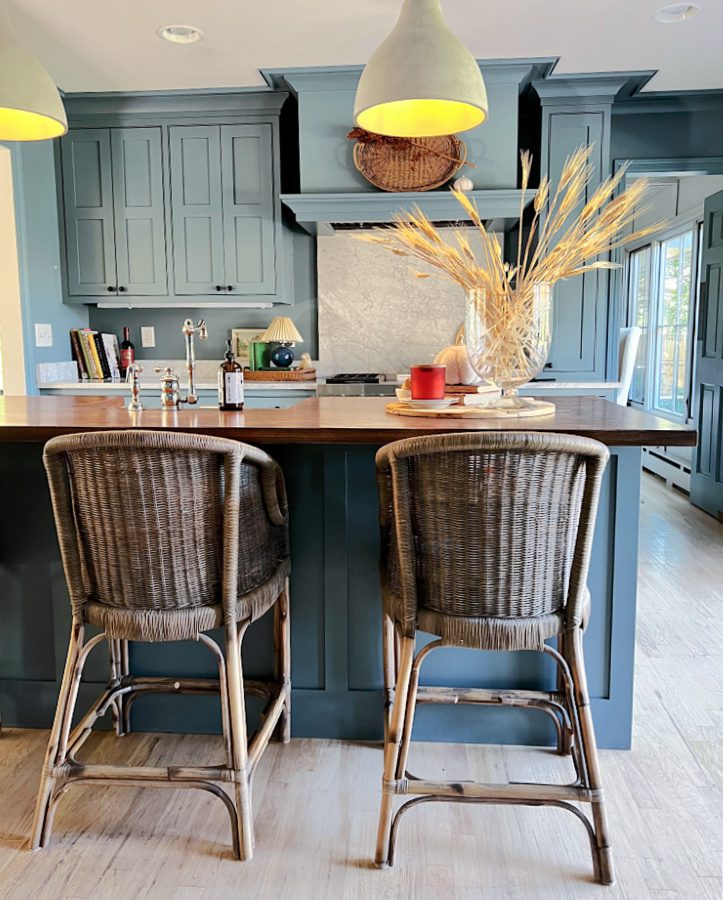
[[706, 489]]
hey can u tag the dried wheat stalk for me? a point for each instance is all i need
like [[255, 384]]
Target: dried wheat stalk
[[567, 235]]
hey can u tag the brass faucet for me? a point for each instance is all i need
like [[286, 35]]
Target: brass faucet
[[189, 330]]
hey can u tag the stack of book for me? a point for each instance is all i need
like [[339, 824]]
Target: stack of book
[[97, 355]]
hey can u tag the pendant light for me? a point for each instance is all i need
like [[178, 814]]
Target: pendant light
[[422, 81], [30, 105]]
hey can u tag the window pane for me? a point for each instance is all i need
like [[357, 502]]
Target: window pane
[[638, 306], [671, 325]]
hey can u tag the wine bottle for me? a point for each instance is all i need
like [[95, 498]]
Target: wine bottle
[[127, 352], [230, 383]]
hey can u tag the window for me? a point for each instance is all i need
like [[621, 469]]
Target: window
[[675, 281], [661, 277], [638, 304]]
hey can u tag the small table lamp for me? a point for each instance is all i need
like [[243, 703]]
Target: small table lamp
[[282, 331]]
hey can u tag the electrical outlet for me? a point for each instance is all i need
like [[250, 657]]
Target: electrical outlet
[[43, 335], [148, 336]]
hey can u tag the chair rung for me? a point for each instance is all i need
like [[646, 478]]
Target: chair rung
[[147, 773], [494, 697], [140, 683], [520, 792]]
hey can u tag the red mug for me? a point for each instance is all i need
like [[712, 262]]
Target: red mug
[[428, 382]]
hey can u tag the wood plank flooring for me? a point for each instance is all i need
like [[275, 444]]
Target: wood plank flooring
[[316, 801]]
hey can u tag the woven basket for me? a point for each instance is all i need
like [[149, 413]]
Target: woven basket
[[280, 375], [414, 164]]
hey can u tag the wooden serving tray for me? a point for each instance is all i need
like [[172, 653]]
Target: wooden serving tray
[[535, 408], [279, 374]]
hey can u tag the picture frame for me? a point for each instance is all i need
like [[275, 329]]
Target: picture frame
[[241, 339]]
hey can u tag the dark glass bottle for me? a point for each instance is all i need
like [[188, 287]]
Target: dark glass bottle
[[127, 352], [230, 383]]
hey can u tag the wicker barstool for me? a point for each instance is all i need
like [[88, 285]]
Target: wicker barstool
[[164, 537], [486, 543]]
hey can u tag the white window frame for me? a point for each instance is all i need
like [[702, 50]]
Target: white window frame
[[651, 374]]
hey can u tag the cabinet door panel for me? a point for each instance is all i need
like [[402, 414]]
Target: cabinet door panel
[[138, 195], [88, 206], [578, 332], [196, 209], [248, 208]]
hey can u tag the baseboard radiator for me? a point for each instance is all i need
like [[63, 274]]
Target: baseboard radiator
[[672, 464]]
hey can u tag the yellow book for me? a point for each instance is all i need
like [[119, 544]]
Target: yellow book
[[87, 334]]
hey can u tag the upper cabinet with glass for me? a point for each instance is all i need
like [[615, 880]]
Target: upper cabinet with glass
[[187, 206]]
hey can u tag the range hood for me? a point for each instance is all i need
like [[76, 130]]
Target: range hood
[[322, 214]]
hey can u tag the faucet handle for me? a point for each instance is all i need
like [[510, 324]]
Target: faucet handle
[[202, 329]]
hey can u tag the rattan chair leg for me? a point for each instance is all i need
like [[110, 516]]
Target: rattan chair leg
[[565, 736], [390, 667], [239, 739], [602, 862], [392, 746], [125, 669], [42, 822], [282, 660], [411, 706], [116, 673]]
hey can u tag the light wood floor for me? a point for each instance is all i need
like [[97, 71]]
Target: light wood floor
[[316, 801]]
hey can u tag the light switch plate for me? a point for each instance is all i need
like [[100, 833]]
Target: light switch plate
[[148, 336], [43, 335]]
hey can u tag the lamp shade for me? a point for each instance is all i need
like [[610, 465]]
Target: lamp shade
[[422, 81], [282, 330], [30, 105]]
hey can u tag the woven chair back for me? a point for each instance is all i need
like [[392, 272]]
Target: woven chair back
[[156, 520], [490, 524]]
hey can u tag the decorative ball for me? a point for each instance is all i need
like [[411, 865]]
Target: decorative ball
[[282, 356], [463, 183]]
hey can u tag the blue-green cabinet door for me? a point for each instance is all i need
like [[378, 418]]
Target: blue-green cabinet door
[[88, 211], [196, 209], [580, 304], [140, 238], [248, 209]]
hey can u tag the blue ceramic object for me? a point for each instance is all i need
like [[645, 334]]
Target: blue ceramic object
[[282, 356]]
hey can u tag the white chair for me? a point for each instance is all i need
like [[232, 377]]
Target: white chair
[[627, 353]]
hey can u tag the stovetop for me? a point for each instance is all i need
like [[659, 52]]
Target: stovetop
[[357, 378]]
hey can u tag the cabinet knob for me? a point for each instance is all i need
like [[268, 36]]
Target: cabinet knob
[[218, 287], [121, 289], [229, 287], [110, 288]]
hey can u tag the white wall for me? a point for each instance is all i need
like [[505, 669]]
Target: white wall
[[12, 378]]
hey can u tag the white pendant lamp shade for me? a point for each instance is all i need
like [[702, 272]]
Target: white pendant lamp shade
[[30, 105], [422, 81]]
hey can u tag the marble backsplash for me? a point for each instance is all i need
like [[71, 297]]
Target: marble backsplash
[[374, 315]]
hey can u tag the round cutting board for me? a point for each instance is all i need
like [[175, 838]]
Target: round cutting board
[[535, 408]]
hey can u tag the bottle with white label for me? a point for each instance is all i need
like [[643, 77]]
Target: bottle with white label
[[230, 383]]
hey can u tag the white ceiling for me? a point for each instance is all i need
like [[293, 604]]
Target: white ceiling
[[100, 45]]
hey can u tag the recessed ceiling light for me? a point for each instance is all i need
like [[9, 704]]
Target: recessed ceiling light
[[180, 34], [676, 12]]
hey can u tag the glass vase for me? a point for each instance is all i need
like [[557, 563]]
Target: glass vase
[[508, 337]]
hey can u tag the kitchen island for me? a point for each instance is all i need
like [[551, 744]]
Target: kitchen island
[[326, 447]]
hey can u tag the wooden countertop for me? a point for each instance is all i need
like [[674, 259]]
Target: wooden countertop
[[327, 420]]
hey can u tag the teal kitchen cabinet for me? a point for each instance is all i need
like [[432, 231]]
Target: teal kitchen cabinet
[[223, 209], [113, 201], [576, 112]]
